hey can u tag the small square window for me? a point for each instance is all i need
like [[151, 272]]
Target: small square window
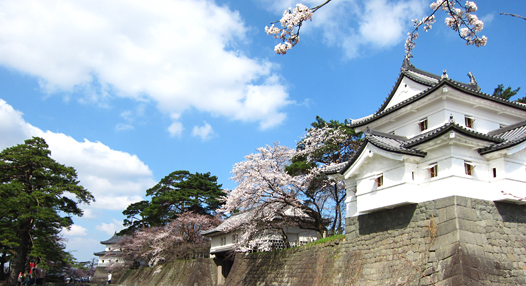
[[469, 121], [379, 180], [423, 124], [468, 168], [433, 170]]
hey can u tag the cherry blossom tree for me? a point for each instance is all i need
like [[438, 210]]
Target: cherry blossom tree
[[325, 145], [460, 18], [271, 196], [179, 239]]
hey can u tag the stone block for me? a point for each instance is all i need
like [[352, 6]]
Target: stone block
[[467, 237], [446, 251], [446, 227], [446, 239], [466, 213], [469, 225], [473, 250], [445, 202]]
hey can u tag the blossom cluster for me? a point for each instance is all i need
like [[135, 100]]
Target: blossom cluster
[[178, 239], [291, 23], [460, 19]]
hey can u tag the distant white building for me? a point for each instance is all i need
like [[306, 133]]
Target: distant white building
[[432, 138], [223, 242], [111, 253]]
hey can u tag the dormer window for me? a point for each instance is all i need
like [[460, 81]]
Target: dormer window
[[468, 168], [379, 180], [469, 121], [433, 170], [423, 124]]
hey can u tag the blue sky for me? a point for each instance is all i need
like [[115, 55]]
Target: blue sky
[[128, 91]]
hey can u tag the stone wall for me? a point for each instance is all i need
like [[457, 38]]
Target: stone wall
[[450, 241], [198, 272]]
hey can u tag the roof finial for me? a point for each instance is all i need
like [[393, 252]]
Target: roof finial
[[472, 79], [407, 63], [444, 74], [451, 119]]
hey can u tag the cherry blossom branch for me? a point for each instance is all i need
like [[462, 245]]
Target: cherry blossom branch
[[513, 15], [461, 20]]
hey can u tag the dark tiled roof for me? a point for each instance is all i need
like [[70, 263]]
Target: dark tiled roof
[[446, 128], [510, 132], [234, 219], [114, 239], [100, 253], [391, 143], [111, 253], [402, 145], [434, 82], [512, 135], [388, 142]]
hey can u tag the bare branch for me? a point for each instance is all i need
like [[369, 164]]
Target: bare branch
[[513, 15]]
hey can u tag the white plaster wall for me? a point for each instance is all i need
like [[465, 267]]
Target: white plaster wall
[[393, 173], [407, 125], [400, 188], [407, 88], [438, 112]]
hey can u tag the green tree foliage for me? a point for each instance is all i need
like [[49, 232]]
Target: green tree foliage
[[326, 143], [507, 93], [38, 196], [175, 194]]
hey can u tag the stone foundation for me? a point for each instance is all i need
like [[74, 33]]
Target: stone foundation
[[450, 241]]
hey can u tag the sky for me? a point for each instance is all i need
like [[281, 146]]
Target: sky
[[128, 91]]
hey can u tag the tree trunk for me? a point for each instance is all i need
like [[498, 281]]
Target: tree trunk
[[20, 257], [2, 264]]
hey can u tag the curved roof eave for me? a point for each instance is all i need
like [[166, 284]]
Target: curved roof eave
[[501, 146], [428, 91], [446, 128], [360, 150]]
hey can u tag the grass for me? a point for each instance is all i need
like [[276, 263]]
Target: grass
[[327, 239]]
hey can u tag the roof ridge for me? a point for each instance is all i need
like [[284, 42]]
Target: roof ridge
[[426, 92], [445, 128], [507, 128], [386, 135]]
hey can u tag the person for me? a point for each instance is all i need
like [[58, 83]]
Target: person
[[20, 278], [109, 278], [40, 274]]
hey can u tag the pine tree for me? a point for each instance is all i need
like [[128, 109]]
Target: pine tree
[[38, 196]]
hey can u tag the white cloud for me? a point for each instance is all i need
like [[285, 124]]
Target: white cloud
[[110, 228], [88, 213], [122, 127], [204, 131], [75, 230], [358, 25], [115, 178], [175, 129], [13, 129], [181, 53]]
